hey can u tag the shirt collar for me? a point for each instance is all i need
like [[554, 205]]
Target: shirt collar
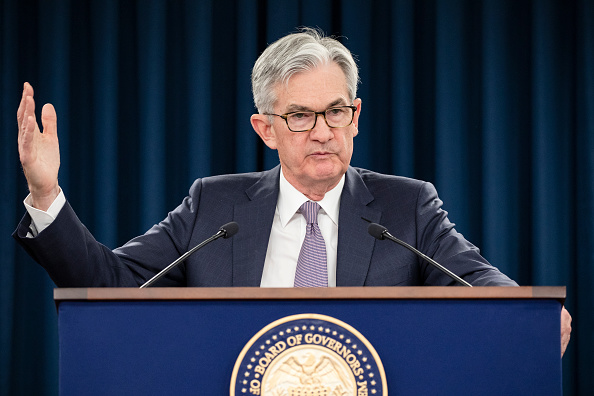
[[290, 199]]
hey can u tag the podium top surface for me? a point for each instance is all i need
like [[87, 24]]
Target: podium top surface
[[333, 293]]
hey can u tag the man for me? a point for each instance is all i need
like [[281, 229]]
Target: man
[[304, 87]]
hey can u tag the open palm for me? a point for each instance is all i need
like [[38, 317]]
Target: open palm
[[39, 152]]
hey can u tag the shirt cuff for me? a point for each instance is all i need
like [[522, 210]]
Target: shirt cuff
[[40, 219]]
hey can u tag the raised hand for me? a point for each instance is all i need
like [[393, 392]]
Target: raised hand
[[39, 152]]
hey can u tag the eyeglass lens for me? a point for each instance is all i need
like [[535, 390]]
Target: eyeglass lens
[[336, 117]]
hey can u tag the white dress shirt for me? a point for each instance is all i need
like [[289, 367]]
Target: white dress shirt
[[288, 232]]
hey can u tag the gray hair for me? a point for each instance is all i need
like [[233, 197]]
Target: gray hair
[[295, 53]]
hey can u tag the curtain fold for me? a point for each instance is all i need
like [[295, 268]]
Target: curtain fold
[[492, 101], [582, 269]]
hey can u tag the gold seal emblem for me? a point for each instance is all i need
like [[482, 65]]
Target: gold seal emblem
[[308, 355]]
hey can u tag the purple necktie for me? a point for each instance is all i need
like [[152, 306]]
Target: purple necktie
[[312, 270]]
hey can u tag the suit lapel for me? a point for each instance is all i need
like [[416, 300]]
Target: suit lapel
[[355, 245], [255, 219]]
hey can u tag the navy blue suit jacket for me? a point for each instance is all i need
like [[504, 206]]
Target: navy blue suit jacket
[[409, 208]]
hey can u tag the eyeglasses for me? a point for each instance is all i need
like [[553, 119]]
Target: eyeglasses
[[303, 121]]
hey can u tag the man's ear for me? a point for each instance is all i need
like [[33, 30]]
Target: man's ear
[[357, 102], [263, 128]]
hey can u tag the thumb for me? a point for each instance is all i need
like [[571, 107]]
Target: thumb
[[49, 120]]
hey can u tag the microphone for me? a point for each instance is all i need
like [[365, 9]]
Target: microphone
[[226, 231], [380, 232]]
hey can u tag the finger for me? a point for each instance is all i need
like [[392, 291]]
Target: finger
[[29, 111], [27, 91], [29, 121], [26, 146], [29, 107], [49, 120], [21, 109]]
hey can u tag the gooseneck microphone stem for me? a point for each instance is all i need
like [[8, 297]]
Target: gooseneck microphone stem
[[182, 258], [226, 231], [381, 232]]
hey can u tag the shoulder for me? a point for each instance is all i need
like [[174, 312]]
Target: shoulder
[[389, 187], [371, 178], [230, 183], [234, 188], [237, 179]]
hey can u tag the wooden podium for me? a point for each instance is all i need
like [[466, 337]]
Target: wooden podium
[[431, 340]]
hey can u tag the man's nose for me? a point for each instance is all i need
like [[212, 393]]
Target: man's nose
[[321, 131]]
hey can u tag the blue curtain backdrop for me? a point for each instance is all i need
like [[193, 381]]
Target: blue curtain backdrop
[[492, 101]]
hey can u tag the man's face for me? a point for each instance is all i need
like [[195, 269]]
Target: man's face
[[316, 159]]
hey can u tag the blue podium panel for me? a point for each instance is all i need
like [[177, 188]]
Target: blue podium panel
[[427, 347]]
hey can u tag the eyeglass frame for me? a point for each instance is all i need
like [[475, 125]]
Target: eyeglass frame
[[316, 113]]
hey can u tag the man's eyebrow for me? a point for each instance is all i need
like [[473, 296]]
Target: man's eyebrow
[[295, 107]]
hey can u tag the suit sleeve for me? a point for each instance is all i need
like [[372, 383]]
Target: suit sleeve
[[437, 237], [73, 258]]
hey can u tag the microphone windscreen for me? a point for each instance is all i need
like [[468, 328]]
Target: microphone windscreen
[[230, 229], [376, 230]]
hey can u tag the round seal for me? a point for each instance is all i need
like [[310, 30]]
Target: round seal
[[308, 355]]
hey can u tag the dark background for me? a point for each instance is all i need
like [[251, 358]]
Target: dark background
[[492, 101]]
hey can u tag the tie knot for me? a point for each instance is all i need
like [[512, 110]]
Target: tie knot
[[310, 210]]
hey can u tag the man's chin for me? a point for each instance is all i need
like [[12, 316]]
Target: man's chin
[[328, 172]]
